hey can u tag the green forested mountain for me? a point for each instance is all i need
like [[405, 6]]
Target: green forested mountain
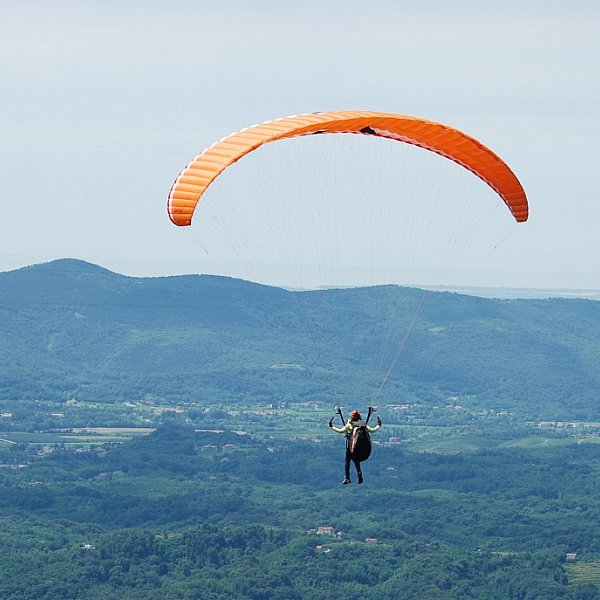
[[69, 329]]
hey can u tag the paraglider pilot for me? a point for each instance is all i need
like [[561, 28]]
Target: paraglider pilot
[[358, 442]]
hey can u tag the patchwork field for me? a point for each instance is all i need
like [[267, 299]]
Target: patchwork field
[[584, 572]]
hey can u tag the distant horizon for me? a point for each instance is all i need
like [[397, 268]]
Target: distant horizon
[[501, 292]]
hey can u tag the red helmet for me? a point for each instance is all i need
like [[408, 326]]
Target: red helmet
[[355, 416]]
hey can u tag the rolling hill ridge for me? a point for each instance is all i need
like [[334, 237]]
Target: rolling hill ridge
[[73, 329]]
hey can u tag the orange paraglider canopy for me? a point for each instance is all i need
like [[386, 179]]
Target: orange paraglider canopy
[[451, 143]]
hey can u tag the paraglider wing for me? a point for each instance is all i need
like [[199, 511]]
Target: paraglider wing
[[451, 143]]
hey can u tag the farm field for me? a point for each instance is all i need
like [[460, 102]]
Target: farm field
[[82, 436], [581, 572]]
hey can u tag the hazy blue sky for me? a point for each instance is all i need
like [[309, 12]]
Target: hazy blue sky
[[102, 103]]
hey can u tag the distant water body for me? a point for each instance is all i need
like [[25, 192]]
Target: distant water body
[[523, 293]]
